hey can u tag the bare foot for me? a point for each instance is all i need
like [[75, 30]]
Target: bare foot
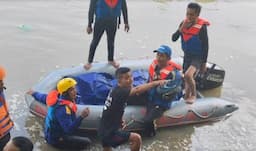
[[114, 64], [191, 100], [87, 66]]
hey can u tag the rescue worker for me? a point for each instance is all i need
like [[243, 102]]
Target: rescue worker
[[160, 98], [194, 42], [61, 122], [107, 18], [6, 123]]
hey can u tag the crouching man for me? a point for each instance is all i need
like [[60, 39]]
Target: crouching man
[[111, 125], [61, 121]]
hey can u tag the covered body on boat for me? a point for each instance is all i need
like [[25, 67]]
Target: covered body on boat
[[202, 110]]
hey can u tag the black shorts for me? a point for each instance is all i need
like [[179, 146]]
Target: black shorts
[[72, 142], [192, 60], [118, 138]]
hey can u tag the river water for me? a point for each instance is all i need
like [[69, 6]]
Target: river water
[[38, 37]]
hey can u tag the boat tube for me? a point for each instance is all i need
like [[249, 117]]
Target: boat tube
[[204, 109]]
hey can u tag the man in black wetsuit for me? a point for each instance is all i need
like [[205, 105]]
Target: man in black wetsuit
[[107, 18]]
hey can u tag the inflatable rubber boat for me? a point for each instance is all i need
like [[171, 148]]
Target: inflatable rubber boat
[[204, 109]]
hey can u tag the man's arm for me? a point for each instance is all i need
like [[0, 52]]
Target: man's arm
[[176, 35], [125, 12], [144, 87], [205, 46], [65, 120], [38, 96], [91, 12]]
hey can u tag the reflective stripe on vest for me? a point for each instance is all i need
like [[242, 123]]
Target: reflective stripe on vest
[[163, 72], [6, 123]]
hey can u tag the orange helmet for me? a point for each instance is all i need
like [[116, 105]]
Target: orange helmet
[[2, 73]]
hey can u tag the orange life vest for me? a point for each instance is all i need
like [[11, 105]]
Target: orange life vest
[[52, 99], [194, 30], [6, 123], [163, 72], [70, 104], [111, 3]]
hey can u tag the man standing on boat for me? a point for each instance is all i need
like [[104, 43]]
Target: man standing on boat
[[111, 125], [194, 41], [160, 98], [107, 19], [6, 123], [61, 122]]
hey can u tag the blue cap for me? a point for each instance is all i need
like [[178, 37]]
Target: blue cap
[[164, 49]]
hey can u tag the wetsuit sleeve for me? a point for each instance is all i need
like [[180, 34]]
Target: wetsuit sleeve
[[67, 123], [91, 11], [124, 11], [40, 97], [176, 35], [205, 46]]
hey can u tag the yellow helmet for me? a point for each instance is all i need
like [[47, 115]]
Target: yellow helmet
[[2, 73], [64, 84]]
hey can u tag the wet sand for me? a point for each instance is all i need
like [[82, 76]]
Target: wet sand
[[53, 36]]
